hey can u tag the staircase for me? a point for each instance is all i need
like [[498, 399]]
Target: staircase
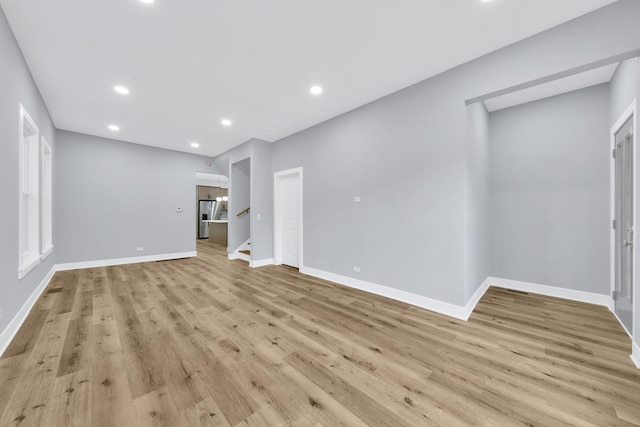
[[243, 252]]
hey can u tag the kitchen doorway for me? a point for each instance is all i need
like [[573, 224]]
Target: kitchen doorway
[[212, 207]]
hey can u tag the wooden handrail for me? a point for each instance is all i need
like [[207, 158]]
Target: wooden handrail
[[244, 211]]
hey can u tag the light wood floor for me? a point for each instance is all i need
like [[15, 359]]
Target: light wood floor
[[206, 341]]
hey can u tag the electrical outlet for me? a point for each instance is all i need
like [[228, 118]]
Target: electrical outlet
[[179, 209], [140, 248], [356, 199], [356, 269]]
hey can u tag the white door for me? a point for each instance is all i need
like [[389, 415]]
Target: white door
[[288, 227], [290, 220]]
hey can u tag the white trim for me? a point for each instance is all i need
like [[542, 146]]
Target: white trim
[[277, 236], [47, 253], [476, 297], [46, 197], [552, 291], [27, 268], [620, 321], [261, 262], [121, 261], [631, 111], [238, 255], [212, 180], [635, 354], [441, 307], [14, 326], [29, 227], [456, 311]]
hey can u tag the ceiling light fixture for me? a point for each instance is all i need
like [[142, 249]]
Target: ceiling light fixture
[[316, 90], [218, 199], [225, 122], [225, 198], [195, 145], [114, 128], [121, 90], [147, 1]]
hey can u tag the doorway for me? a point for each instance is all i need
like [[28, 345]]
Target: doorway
[[211, 207], [288, 236], [239, 209], [623, 218]]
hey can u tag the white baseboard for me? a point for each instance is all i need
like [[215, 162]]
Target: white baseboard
[[262, 262], [456, 311], [238, 255], [441, 307], [14, 326], [635, 354], [611, 309], [121, 261], [476, 297], [552, 291]]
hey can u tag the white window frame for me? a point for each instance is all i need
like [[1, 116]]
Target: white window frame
[[46, 182], [29, 194]]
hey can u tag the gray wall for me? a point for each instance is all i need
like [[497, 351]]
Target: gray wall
[[261, 201], [624, 88], [401, 156], [16, 87], [476, 224], [405, 155], [114, 196], [549, 210]]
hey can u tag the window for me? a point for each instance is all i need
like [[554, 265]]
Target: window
[[46, 244], [29, 206]]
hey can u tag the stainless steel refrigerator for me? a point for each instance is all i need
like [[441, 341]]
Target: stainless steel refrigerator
[[206, 209]]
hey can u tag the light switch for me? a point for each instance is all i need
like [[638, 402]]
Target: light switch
[[258, 217], [356, 199]]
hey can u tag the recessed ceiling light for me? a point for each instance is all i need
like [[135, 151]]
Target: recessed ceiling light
[[225, 122], [195, 145], [147, 1], [121, 90], [114, 128], [316, 90]]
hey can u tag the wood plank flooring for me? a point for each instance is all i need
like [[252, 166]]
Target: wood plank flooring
[[211, 342]]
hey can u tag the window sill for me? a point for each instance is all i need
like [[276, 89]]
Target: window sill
[[46, 253], [28, 267]]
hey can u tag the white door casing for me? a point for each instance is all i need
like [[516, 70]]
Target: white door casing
[[619, 231]]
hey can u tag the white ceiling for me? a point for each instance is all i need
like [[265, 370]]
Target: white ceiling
[[190, 63], [555, 87]]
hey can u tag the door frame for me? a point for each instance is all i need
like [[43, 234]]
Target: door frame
[[277, 214], [631, 111]]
